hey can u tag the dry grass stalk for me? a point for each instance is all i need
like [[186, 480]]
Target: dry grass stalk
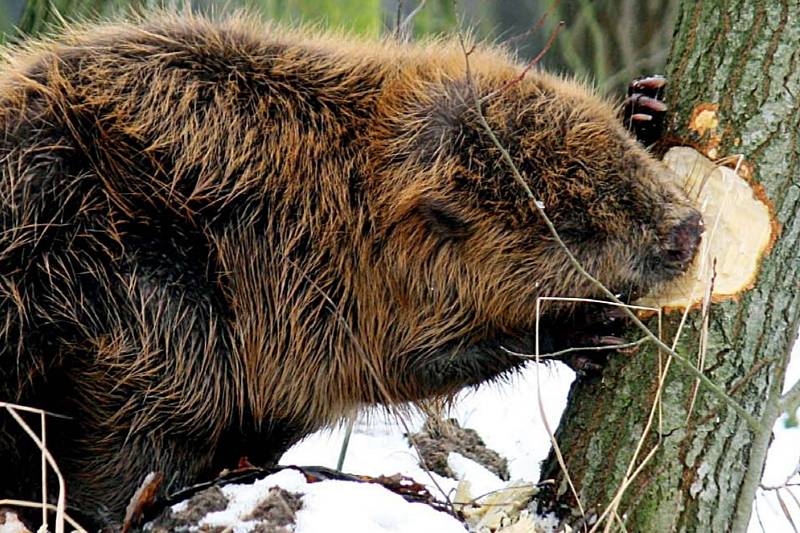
[[47, 460]]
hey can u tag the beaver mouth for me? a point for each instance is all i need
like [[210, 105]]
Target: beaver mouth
[[659, 269], [674, 255], [582, 336], [654, 275]]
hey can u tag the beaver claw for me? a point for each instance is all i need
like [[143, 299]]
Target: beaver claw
[[643, 111]]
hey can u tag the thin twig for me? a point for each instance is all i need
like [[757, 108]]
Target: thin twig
[[556, 448], [43, 466], [758, 517], [532, 63], [536, 27], [785, 484], [630, 473], [474, 501], [565, 351], [624, 487], [790, 401], [403, 27], [345, 442], [786, 512], [61, 500], [398, 17], [50, 507], [703, 348]]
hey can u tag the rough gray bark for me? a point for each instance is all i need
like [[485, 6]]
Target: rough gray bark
[[743, 58]]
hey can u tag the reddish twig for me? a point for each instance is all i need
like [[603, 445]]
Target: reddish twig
[[536, 27], [532, 63]]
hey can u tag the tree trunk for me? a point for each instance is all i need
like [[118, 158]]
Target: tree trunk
[[740, 58]]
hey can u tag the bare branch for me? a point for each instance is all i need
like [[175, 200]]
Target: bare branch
[[559, 353], [790, 401], [787, 483], [48, 460], [532, 63], [403, 28], [536, 27], [398, 17]]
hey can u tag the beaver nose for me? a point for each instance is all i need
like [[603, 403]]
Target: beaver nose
[[683, 241]]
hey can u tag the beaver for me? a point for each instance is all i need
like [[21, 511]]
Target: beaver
[[219, 236]]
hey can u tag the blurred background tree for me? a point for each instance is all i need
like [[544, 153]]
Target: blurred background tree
[[607, 41]]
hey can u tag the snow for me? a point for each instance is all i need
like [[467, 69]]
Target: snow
[[333, 506], [482, 481], [783, 461], [244, 498], [10, 522], [378, 445], [364, 507], [507, 417]]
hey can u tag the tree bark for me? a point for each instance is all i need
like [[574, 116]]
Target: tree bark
[[741, 59]]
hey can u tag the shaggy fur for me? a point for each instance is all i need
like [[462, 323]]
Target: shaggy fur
[[218, 237]]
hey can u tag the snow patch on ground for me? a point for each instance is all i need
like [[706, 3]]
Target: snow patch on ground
[[506, 415], [243, 499], [333, 506], [481, 480], [367, 508]]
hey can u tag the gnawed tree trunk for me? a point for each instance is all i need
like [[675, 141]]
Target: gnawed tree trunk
[[740, 61]]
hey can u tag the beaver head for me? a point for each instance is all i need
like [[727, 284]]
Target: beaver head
[[475, 253]]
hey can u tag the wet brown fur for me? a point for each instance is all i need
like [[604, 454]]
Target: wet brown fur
[[219, 236]]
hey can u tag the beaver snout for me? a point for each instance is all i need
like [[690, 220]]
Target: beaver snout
[[683, 241]]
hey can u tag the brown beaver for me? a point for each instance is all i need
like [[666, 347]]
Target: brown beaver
[[218, 237]]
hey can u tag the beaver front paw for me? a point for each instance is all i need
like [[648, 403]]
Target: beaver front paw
[[643, 111], [585, 341]]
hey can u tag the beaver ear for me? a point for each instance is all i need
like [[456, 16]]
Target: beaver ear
[[441, 219]]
